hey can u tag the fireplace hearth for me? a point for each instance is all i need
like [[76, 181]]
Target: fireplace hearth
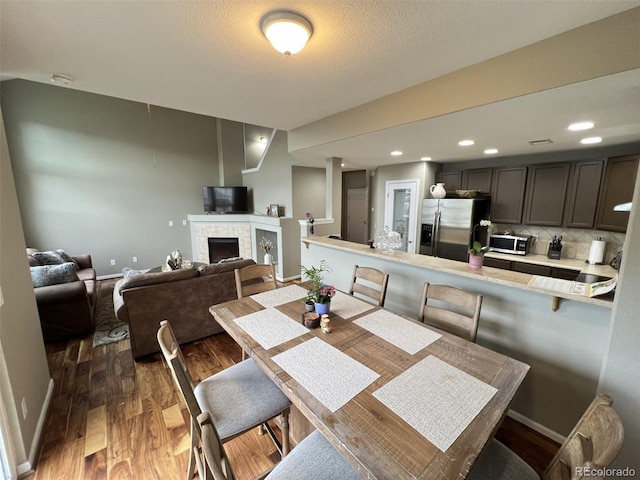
[[222, 247]]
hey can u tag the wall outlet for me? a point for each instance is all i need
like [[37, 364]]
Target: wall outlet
[[171, 223], [135, 259], [25, 410], [113, 261]]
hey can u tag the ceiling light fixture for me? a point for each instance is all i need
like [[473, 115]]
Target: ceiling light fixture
[[578, 126], [262, 140], [466, 143], [491, 151], [61, 79], [591, 140], [425, 159], [288, 32], [396, 153]]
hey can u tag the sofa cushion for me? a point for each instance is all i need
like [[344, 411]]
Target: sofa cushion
[[45, 275], [53, 257], [215, 268], [138, 278]]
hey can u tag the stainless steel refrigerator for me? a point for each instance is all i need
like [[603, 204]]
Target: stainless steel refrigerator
[[448, 226]]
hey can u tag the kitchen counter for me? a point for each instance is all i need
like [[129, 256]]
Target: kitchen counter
[[486, 274], [580, 266]]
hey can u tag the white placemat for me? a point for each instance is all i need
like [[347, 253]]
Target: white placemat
[[436, 399], [405, 334], [325, 372], [348, 306], [271, 327], [280, 296]]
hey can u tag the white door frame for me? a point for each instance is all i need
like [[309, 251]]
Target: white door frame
[[412, 185]]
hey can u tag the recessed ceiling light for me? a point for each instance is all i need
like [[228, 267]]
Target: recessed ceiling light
[[466, 143], [425, 159], [396, 153], [576, 127], [342, 164], [491, 151], [590, 140]]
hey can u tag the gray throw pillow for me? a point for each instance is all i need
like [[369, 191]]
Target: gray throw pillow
[[65, 257], [54, 257], [46, 275]]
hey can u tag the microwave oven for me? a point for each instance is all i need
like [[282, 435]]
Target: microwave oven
[[514, 244]]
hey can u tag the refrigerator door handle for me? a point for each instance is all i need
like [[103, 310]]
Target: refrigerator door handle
[[436, 233]]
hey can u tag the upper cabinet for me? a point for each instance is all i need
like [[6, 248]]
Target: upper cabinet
[[617, 187], [507, 191], [452, 181], [546, 192], [583, 194], [478, 179]]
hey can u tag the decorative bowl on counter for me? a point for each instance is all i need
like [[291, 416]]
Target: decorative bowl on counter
[[467, 193]]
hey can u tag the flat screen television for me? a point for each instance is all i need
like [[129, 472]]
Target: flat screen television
[[225, 199]]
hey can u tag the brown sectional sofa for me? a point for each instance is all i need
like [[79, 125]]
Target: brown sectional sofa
[[65, 309], [183, 297]]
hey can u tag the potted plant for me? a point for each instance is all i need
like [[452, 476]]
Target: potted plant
[[477, 251], [319, 293]]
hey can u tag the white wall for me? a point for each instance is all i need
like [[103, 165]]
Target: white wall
[[24, 373]]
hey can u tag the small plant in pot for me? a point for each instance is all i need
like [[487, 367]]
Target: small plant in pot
[[319, 294], [476, 254]]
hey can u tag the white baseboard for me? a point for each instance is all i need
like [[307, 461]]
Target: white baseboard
[[107, 277], [27, 467], [541, 429]]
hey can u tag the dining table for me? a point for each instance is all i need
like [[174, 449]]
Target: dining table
[[399, 399]]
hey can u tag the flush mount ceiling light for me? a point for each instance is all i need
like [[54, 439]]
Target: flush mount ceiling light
[[491, 151], [466, 143], [61, 79], [425, 159], [396, 153], [288, 32], [576, 127], [591, 140]]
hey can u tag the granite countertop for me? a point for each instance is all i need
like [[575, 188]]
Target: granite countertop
[[488, 274]]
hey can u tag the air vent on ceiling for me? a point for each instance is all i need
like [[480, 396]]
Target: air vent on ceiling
[[544, 141]]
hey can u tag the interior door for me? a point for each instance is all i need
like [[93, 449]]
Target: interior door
[[401, 211], [357, 223]]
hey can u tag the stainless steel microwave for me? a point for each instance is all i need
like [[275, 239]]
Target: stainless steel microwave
[[514, 244]]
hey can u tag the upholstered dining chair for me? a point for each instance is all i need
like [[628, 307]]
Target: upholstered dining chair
[[257, 278], [451, 309], [593, 444], [238, 398], [314, 458], [375, 286]]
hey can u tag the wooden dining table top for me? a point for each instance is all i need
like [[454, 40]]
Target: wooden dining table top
[[377, 441]]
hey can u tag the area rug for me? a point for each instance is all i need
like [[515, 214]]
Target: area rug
[[108, 328]]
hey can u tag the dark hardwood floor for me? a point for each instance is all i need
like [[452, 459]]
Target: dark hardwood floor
[[113, 418]]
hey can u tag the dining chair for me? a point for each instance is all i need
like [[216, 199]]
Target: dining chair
[[314, 458], [257, 278], [238, 398], [592, 445], [375, 287], [451, 309]]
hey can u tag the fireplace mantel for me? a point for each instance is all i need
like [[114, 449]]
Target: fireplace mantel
[[247, 228]]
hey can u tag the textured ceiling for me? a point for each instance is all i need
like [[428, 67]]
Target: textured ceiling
[[209, 57]]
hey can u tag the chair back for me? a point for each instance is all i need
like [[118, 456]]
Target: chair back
[[174, 358], [255, 279], [214, 453], [377, 288], [594, 443], [451, 309]]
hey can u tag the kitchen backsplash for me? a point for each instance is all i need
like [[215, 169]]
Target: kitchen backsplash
[[576, 243]]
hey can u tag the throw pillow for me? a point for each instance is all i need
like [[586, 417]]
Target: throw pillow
[[56, 257], [45, 275], [230, 259], [65, 257]]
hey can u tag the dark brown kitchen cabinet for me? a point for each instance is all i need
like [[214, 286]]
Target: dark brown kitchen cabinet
[[582, 196], [617, 187], [532, 269], [477, 179], [546, 192], [497, 263], [507, 189], [452, 181]]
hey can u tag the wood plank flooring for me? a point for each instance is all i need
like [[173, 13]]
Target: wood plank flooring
[[115, 419]]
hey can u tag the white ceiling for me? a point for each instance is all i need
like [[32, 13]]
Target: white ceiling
[[209, 57]]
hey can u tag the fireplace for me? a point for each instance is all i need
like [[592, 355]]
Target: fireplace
[[222, 247]]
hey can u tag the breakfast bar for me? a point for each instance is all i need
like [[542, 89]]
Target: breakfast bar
[[565, 348]]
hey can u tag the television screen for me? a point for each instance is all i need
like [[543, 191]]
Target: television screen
[[225, 199]]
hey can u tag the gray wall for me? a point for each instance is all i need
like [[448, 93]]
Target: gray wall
[[104, 176], [24, 372]]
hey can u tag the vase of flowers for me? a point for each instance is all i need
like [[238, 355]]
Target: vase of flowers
[[319, 293], [310, 219], [266, 246]]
